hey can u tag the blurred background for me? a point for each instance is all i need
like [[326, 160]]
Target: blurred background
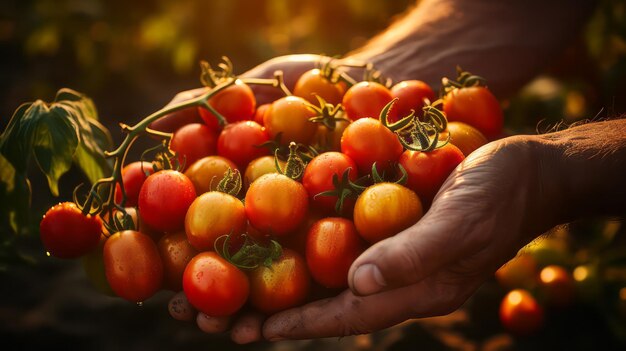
[[132, 57]]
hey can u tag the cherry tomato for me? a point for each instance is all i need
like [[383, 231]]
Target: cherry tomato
[[175, 253], [318, 177], [385, 209], [212, 215], [465, 137], [67, 233], [332, 245], [313, 83], [367, 99], [284, 284], [207, 172], [297, 240], [192, 142], [329, 140], [235, 103], [276, 204], [477, 107], [411, 95], [428, 170], [520, 272], [132, 265], [214, 286], [240, 141], [520, 313], [133, 176], [367, 141], [164, 199], [290, 116], [260, 166], [557, 286], [259, 114]]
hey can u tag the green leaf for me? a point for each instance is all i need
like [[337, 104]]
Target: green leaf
[[54, 144], [14, 197]]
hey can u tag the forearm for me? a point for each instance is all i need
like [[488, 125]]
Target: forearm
[[506, 41]]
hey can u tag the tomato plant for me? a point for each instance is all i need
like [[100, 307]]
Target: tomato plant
[[465, 137], [367, 99], [428, 170], [67, 233], [276, 204], [164, 199], [235, 103], [284, 284], [206, 173], [192, 142], [411, 95], [520, 313], [290, 116], [175, 252], [214, 286], [332, 244], [477, 107], [132, 265], [313, 82], [133, 176], [318, 178], [385, 209], [240, 142]]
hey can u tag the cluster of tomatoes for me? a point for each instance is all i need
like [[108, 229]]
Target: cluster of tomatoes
[[282, 199]]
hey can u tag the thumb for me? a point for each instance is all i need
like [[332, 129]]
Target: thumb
[[407, 257]]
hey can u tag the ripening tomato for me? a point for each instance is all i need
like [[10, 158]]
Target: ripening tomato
[[206, 173], [212, 215], [385, 209], [259, 114], [132, 265], [428, 170], [67, 233], [240, 142], [193, 142], [133, 176], [329, 140], [285, 284], [332, 245], [175, 252], [367, 99], [557, 286], [214, 286], [313, 83], [520, 313], [276, 204], [318, 177], [290, 116], [411, 95], [367, 141], [235, 103], [164, 199], [465, 137], [477, 107], [260, 166]]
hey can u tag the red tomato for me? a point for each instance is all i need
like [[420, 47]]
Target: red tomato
[[132, 265], [318, 177], [240, 141], [276, 204], [260, 166], [192, 142], [133, 176], [290, 116], [214, 286], [367, 141], [465, 137], [428, 170], [313, 83], [259, 114], [207, 172], [175, 252], [385, 209], [164, 199], [212, 215], [67, 233], [557, 286], [284, 284], [477, 107], [367, 99], [411, 95], [332, 245], [520, 313], [235, 103]]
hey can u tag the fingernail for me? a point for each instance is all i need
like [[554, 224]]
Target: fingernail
[[368, 279]]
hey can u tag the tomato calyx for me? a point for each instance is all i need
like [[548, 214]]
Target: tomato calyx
[[327, 113], [423, 136], [464, 79], [251, 255], [231, 183], [210, 77], [401, 124], [294, 168]]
